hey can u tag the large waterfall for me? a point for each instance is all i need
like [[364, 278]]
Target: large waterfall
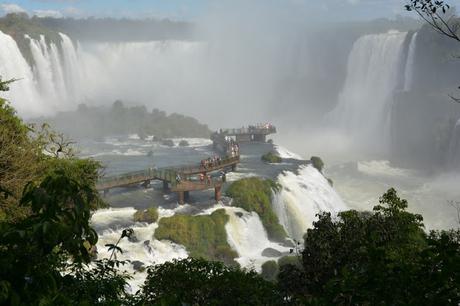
[[454, 148], [372, 77], [410, 67], [59, 76]]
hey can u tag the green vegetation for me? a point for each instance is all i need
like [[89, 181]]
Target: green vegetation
[[183, 143], [150, 215], [380, 258], [318, 163], [198, 282], [203, 236], [97, 122], [254, 194], [167, 142], [272, 158], [270, 270]]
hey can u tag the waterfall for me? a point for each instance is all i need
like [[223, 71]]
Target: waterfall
[[410, 64], [372, 77], [24, 92], [60, 76], [302, 196], [453, 159], [247, 236]]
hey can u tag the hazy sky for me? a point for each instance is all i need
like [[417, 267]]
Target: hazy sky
[[192, 9]]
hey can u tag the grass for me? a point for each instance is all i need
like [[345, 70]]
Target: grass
[[149, 215], [271, 158]]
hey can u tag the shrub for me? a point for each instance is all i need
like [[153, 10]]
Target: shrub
[[270, 270], [318, 163], [150, 215], [183, 143], [272, 158]]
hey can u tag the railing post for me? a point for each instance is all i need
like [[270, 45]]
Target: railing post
[[217, 192]]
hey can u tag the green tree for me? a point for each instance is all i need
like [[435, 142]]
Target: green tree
[[382, 257], [199, 282]]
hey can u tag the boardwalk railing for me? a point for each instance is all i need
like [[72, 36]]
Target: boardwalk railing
[[248, 131], [168, 175]]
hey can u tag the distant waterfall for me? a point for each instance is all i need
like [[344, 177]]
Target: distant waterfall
[[454, 148], [365, 102], [409, 70], [13, 65], [60, 76], [302, 196]]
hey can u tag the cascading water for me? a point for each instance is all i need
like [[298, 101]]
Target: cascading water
[[302, 196], [13, 65], [454, 147], [60, 76], [365, 102], [247, 236], [409, 69]]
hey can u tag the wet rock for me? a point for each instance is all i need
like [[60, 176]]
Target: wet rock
[[138, 265], [133, 238], [239, 214], [269, 252]]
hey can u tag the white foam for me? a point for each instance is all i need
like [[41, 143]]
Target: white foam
[[381, 168], [285, 153], [302, 196]]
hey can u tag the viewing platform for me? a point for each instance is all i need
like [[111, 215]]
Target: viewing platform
[[224, 139], [176, 179]]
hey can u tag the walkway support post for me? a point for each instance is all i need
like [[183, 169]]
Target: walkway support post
[[165, 186], [186, 195], [217, 193], [181, 197]]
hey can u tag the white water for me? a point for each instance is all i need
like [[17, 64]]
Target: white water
[[302, 196], [454, 148], [285, 153], [111, 222], [247, 236], [410, 67], [24, 92], [365, 102], [61, 78]]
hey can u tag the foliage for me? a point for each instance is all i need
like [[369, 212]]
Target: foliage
[[97, 122], [150, 215], [270, 270], [254, 194], [34, 249], [378, 258], [198, 282], [183, 143], [432, 12], [272, 158], [318, 163], [203, 236]]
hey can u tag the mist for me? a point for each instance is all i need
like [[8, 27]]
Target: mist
[[351, 91]]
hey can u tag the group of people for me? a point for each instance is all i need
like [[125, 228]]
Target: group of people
[[211, 162], [233, 148]]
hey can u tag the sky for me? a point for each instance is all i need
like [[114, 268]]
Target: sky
[[193, 9]]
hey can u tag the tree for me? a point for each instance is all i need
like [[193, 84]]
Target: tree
[[199, 282], [382, 257], [434, 12]]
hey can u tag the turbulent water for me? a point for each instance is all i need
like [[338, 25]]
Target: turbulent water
[[365, 102], [304, 193], [454, 148]]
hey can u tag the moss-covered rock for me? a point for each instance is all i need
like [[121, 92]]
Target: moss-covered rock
[[149, 215], [272, 158], [270, 270], [318, 163], [167, 142], [183, 143], [254, 194], [203, 236]]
